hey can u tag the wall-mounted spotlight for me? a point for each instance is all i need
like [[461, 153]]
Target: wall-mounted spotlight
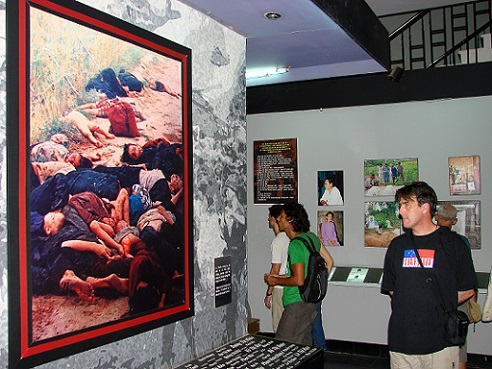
[[395, 74]]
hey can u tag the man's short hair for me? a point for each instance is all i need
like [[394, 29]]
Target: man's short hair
[[424, 193], [447, 212], [296, 213], [275, 210]]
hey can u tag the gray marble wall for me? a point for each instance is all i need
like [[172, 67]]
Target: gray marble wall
[[219, 142]]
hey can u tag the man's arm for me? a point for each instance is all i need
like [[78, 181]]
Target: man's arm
[[296, 279], [465, 295], [275, 270], [100, 250], [327, 257]]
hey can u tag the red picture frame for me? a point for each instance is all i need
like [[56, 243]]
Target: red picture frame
[[24, 131]]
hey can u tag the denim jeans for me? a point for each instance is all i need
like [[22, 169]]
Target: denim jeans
[[319, 340]]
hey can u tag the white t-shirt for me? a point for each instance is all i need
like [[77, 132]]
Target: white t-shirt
[[332, 198], [279, 248]]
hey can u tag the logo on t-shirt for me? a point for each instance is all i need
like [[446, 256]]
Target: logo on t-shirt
[[410, 259]]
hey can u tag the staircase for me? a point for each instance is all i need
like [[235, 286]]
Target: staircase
[[447, 36]]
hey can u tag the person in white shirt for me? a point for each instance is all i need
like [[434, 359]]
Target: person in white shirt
[[279, 248], [332, 195]]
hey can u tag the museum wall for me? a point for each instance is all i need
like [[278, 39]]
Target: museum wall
[[341, 139], [219, 190]]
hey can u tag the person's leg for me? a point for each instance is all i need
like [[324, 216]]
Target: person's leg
[[70, 282], [463, 356], [111, 281], [99, 230], [403, 361], [445, 359], [121, 207], [80, 122], [318, 332], [277, 307], [296, 323]]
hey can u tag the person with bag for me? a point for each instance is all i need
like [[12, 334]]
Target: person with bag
[[446, 216], [298, 317], [428, 271], [487, 305]]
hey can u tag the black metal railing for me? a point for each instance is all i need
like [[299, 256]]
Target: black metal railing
[[444, 36]]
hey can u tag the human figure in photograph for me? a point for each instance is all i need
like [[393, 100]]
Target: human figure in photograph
[[400, 172], [331, 195], [329, 235], [416, 325]]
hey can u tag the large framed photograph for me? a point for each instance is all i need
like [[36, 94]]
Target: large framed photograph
[[468, 221], [381, 223], [383, 177], [100, 180], [464, 175]]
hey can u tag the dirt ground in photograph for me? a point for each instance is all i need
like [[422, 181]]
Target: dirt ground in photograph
[[53, 315]]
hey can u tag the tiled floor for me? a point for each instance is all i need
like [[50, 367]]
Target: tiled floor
[[335, 360], [348, 361]]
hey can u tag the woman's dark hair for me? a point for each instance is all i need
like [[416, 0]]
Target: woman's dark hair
[[298, 217], [275, 211], [424, 193], [145, 299], [125, 157], [330, 212], [85, 163]]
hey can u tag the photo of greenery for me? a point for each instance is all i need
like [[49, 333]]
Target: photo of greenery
[[383, 177], [381, 223]]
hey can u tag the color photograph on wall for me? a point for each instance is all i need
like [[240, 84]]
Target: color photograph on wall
[[330, 188], [275, 171], [105, 172], [383, 177], [464, 175], [381, 223], [468, 221], [330, 227]]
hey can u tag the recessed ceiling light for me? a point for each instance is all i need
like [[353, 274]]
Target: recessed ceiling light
[[272, 15]]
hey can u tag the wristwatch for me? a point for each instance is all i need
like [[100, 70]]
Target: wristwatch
[[268, 294]]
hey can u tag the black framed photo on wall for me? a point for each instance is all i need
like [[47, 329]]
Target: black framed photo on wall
[[100, 180]]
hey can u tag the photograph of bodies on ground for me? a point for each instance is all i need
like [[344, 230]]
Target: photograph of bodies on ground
[[383, 177], [381, 223], [107, 179]]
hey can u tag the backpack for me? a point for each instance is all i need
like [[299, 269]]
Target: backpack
[[122, 118], [316, 281]]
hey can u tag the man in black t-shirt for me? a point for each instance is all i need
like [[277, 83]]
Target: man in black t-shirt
[[416, 326]]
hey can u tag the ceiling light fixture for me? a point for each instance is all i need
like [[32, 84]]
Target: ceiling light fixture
[[265, 73], [272, 15]]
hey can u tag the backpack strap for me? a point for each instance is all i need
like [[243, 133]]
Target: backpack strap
[[309, 244]]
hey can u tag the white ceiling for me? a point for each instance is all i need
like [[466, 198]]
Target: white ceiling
[[305, 38]]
